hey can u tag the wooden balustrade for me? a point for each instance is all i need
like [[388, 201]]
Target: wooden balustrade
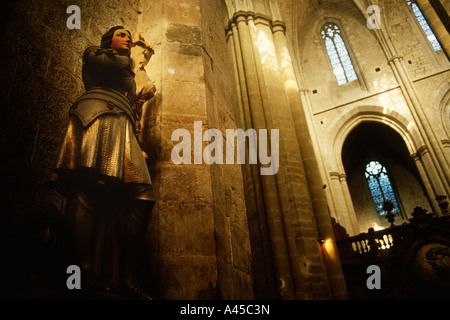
[[370, 242], [381, 241], [398, 252]]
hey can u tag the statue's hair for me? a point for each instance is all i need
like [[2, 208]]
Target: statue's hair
[[107, 37]]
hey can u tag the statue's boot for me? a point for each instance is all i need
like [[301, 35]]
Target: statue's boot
[[80, 217], [137, 224]]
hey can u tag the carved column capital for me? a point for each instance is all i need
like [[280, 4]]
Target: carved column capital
[[422, 150], [278, 26], [335, 176], [258, 18], [415, 157], [395, 59], [446, 143], [303, 91]]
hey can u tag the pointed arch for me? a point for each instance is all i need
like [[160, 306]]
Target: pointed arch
[[351, 120]]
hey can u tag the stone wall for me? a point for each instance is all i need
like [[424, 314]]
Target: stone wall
[[198, 240], [379, 93], [41, 78], [200, 224], [287, 212]]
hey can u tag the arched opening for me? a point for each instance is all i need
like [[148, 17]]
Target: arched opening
[[373, 143]]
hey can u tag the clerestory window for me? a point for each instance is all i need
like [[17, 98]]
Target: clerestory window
[[381, 188], [337, 52], [424, 24]]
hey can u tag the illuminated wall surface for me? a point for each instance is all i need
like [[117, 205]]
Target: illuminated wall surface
[[310, 73]]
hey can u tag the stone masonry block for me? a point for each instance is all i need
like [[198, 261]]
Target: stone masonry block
[[186, 229], [187, 277], [186, 183]]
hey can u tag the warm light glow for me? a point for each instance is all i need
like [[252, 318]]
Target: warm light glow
[[291, 84], [267, 51], [376, 227], [328, 245], [383, 83]]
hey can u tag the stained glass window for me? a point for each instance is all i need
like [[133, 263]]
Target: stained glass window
[[338, 54], [381, 188], [426, 28]]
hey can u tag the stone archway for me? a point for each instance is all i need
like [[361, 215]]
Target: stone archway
[[374, 141], [337, 134], [390, 118]]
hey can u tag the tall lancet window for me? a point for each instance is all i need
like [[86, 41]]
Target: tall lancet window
[[381, 188], [423, 23], [338, 54]]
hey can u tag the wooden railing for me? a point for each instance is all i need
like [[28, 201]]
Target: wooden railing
[[383, 241], [371, 242], [396, 251]]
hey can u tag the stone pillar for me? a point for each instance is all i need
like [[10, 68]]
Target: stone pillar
[[254, 118], [427, 164], [343, 212], [349, 202], [310, 162], [437, 152], [200, 246], [265, 283], [426, 183], [282, 206], [306, 104]]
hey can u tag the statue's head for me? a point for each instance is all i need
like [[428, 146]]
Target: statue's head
[[118, 39]]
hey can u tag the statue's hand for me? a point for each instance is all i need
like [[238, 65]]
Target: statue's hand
[[147, 92], [146, 88]]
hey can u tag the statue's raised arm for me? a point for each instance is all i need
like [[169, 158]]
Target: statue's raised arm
[[141, 53]]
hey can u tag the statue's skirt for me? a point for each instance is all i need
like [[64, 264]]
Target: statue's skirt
[[105, 161], [106, 153]]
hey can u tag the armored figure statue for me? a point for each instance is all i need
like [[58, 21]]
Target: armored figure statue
[[101, 168]]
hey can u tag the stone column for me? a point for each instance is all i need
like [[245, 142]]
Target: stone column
[[310, 162], [349, 202], [265, 284], [284, 207], [306, 104], [427, 164], [426, 183], [256, 113], [343, 216], [200, 244]]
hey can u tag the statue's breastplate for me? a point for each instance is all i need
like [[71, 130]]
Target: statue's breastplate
[[99, 101], [106, 69], [109, 83]]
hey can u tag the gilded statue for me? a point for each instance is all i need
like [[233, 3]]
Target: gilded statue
[[101, 167]]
